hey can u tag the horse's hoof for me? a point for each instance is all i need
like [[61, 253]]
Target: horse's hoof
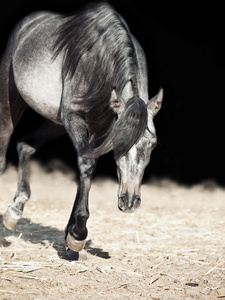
[[10, 219], [73, 244]]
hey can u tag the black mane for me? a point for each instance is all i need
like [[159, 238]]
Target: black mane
[[99, 51]]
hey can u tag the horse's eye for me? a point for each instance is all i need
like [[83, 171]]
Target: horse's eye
[[153, 145]]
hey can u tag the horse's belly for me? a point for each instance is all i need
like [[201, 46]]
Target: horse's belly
[[37, 76], [41, 88]]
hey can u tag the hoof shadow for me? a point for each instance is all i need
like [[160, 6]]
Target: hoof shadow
[[39, 234]]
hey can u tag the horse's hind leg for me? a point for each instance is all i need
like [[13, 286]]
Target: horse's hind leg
[[8, 121], [6, 126], [11, 106], [15, 211], [26, 149], [9, 116], [4, 141]]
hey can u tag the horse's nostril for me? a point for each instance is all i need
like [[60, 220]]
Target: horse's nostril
[[123, 199], [129, 206], [122, 202], [136, 202]]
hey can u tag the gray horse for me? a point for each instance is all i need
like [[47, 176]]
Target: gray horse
[[87, 75]]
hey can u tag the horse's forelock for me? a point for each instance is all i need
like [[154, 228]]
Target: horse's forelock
[[127, 130], [130, 127]]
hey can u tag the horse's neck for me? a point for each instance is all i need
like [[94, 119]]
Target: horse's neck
[[142, 74]]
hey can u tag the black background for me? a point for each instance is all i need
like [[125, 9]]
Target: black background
[[183, 42]]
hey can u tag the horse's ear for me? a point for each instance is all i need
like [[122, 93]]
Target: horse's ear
[[155, 103], [115, 103]]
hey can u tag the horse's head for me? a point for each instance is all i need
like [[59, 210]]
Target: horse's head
[[131, 166]]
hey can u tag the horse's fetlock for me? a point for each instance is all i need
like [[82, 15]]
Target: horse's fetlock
[[78, 233], [24, 190], [20, 199], [15, 211]]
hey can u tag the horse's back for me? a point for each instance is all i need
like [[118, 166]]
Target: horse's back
[[37, 76]]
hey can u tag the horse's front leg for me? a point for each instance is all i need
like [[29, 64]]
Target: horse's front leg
[[76, 231]]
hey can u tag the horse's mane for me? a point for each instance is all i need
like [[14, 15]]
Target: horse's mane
[[99, 52]]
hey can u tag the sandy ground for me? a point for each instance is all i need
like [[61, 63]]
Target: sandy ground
[[173, 247]]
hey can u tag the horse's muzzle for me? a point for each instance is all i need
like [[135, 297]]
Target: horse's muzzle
[[129, 204]]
